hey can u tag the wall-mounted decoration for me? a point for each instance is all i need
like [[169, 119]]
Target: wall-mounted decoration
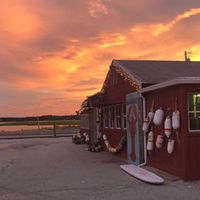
[[168, 126], [158, 117], [170, 146], [159, 141], [150, 145]]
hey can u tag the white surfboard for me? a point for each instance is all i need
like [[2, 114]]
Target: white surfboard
[[142, 174]]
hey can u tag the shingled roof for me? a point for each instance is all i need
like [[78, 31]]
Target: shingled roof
[[153, 72]]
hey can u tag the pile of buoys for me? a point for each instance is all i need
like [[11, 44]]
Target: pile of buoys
[[118, 148], [96, 147], [79, 138], [170, 124]]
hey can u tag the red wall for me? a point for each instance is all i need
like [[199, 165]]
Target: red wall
[[192, 139], [184, 161], [116, 94]]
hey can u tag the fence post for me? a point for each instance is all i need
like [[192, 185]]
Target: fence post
[[54, 129]]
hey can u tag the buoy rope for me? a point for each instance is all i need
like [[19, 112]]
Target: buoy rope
[[118, 148]]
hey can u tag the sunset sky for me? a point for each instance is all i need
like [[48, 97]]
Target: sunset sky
[[54, 53]]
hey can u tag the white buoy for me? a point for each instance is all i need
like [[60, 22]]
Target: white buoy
[[104, 137], [176, 120], [168, 126], [150, 141], [151, 115], [170, 146], [158, 117], [145, 125]]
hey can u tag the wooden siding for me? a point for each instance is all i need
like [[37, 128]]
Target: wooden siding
[[116, 94], [192, 139], [184, 161]]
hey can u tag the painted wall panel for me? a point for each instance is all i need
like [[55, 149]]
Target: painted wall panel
[[134, 130]]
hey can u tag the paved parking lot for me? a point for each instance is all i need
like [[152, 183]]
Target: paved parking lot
[[56, 169]]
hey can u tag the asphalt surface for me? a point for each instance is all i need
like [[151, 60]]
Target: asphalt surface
[[57, 169]]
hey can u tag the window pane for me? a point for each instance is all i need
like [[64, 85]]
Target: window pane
[[194, 102], [124, 122], [112, 117], [118, 115], [194, 119], [190, 102]]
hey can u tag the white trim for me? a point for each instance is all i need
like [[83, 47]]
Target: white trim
[[176, 81], [194, 112]]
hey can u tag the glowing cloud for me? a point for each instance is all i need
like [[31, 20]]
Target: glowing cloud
[[157, 29], [110, 40], [97, 6], [18, 21]]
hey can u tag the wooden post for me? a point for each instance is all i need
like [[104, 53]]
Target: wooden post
[[38, 123], [54, 129]]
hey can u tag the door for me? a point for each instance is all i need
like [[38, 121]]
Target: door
[[134, 128]]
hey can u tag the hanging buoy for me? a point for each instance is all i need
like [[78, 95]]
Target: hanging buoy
[[145, 125], [158, 117], [150, 141], [151, 115], [168, 126], [159, 141], [176, 120], [170, 146]]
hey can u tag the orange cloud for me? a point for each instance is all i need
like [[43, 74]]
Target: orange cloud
[[157, 29], [17, 20], [96, 7], [114, 39]]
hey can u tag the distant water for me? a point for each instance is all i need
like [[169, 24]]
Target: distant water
[[23, 128]]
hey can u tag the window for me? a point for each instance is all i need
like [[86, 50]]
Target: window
[[106, 117], [112, 116], [124, 116], [118, 116], [194, 111]]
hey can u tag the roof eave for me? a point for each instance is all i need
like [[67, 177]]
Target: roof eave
[[176, 81]]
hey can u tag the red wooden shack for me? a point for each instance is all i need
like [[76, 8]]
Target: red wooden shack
[[182, 95], [126, 97]]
